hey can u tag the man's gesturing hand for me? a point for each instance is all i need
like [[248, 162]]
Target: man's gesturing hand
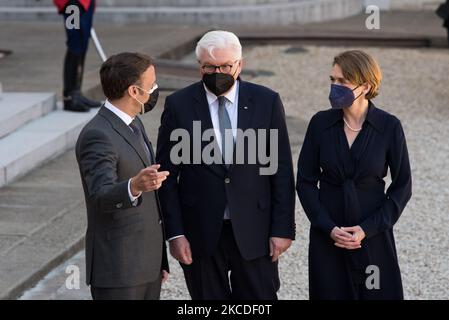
[[148, 179], [180, 250]]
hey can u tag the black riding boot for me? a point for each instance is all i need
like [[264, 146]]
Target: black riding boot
[[91, 103], [73, 74]]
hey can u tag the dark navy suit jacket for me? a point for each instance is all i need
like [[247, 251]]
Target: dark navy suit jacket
[[194, 197]]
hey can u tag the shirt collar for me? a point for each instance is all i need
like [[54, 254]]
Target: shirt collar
[[373, 117], [231, 95], [126, 118]]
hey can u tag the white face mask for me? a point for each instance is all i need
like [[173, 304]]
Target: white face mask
[[142, 106]]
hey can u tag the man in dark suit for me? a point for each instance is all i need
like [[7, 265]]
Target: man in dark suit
[[227, 222], [125, 247]]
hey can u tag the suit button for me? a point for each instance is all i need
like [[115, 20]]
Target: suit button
[[119, 205], [160, 221], [227, 180]]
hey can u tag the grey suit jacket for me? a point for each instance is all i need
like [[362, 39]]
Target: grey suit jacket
[[124, 244]]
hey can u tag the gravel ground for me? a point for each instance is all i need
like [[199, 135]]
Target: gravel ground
[[415, 88]]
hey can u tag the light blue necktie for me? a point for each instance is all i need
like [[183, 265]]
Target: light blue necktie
[[227, 145]]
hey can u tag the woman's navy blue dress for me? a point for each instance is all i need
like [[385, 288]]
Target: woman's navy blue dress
[[342, 186]]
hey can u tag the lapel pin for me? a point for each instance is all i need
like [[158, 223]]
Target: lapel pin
[[246, 108]]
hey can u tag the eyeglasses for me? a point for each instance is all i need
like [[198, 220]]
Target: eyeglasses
[[226, 68], [155, 86]]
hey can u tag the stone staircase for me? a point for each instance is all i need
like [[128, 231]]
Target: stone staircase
[[33, 130]]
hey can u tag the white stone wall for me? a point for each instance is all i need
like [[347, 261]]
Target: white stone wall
[[405, 4], [223, 12]]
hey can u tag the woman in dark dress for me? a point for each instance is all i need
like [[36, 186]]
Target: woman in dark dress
[[344, 159]]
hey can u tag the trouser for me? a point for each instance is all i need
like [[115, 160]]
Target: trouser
[[148, 291], [78, 39], [227, 275]]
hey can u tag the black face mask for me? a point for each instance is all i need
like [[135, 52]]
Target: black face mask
[[151, 103], [218, 83]]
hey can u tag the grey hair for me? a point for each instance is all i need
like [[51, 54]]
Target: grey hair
[[218, 39]]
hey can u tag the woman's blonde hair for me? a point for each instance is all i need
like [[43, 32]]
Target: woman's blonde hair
[[359, 67]]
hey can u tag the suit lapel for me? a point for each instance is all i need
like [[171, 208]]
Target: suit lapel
[[244, 114], [147, 141], [125, 132], [246, 108], [201, 107]]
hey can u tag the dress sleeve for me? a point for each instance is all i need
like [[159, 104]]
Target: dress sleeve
[[309, 173], [400, 190]]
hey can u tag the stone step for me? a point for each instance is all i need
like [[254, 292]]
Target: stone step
[[276, 13], [39, 141], [17, 109]]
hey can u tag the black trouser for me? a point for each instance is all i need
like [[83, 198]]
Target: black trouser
[[78, 38], [227, 275], [148, 291], [73, 72]]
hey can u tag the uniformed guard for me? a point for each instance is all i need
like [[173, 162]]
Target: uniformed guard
[[77, 45]]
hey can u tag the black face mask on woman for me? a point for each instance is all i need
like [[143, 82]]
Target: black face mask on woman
[[219, 83]]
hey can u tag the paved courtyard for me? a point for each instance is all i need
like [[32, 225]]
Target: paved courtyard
[[414, 88]]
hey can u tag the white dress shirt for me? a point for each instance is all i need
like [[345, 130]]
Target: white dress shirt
[[231, 107], [127, 119]]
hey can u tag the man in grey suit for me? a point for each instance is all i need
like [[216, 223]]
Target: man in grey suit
[[125, 246]]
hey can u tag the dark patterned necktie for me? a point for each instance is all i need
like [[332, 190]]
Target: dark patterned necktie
[[138, 133]]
